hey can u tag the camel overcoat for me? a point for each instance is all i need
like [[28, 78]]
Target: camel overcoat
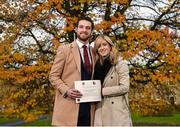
[[65, 70], [113, 110]]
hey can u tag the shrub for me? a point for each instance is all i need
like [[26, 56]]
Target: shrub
[[150, 107]]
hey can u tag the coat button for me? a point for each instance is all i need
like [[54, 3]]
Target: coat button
[[112, 102], [111, 77]]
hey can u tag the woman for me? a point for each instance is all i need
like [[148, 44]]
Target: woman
[[113, 72]]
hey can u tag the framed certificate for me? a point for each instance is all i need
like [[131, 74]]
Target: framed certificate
[[90, 89]]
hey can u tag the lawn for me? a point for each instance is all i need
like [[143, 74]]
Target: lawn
[[137, 121], [5, 120], [41, 122], [44, 122], [173, 120]]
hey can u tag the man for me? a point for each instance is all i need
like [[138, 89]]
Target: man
[[73, 62]]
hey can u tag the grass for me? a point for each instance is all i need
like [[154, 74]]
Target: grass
[[173, 120], [41, 122], [5, 120], [137, 121]]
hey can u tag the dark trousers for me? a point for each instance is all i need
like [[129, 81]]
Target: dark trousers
[[84, 116]]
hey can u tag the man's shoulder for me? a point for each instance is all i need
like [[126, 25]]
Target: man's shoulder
[[65, 46]]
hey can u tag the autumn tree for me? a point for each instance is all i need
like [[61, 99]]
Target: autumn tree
[[146, 32]]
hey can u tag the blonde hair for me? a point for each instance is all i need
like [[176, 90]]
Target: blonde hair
[[114, 53]]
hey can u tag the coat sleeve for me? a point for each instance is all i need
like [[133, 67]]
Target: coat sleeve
[[57, 70], [122, 84]]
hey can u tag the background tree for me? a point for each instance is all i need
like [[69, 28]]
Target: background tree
[[146, 32]]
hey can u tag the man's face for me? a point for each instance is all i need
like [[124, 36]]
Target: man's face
[[84, 30]]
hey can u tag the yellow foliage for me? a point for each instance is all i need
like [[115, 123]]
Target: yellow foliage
[[18, 57], [118, 19], [28, 91], [77, 7], [104, 25], [30, 118], [123, 2], [58, 6]]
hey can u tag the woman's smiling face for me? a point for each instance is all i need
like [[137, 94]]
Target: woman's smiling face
[[104, 48]]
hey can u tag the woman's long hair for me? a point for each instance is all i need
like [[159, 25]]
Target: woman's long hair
[[114, 53]]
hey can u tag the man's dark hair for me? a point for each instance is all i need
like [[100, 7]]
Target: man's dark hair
[[87, 19]]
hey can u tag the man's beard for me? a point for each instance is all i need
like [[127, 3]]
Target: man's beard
[[83, 39]]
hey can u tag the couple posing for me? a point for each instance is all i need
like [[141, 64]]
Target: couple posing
[[79, 61]]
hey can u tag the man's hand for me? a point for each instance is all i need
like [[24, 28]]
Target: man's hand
[[72, 93]]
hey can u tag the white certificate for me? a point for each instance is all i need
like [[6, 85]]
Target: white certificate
[[90, 89]]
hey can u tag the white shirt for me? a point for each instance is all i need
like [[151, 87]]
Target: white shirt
[[80, 45]]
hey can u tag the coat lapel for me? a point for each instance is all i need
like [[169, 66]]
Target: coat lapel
[[108, 74], [76, 54], [93, 60]]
